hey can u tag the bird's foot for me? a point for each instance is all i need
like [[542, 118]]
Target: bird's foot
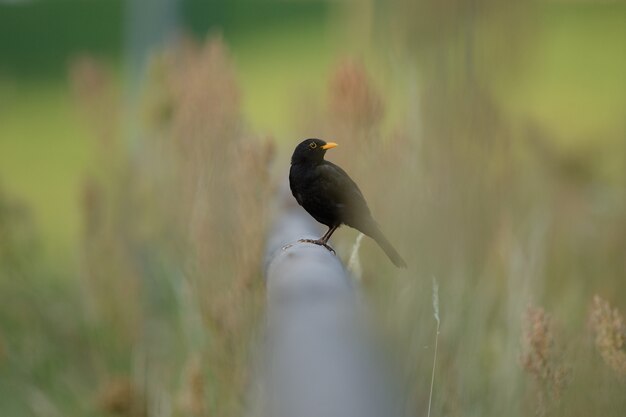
[[318, 242]]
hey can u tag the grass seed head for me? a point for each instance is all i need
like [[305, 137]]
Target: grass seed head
[[610, 334]]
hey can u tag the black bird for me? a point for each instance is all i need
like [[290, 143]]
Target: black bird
[[329, 195]]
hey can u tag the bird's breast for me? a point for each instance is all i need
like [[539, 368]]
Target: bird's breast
[[311, 193]]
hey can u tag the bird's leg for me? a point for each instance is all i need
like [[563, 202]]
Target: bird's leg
[[324, 239]]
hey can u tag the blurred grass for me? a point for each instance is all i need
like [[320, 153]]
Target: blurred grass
[[503, 177], [44, 167], [568, 85]]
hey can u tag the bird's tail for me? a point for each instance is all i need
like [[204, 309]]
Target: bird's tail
[[374, 232]]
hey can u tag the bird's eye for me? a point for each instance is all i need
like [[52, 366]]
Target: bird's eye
[[312, 145]]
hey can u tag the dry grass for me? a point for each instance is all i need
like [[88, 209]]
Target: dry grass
[[610, 334], [355, 105], [541, 358], [119, 396], [173, 240], [496, 212]]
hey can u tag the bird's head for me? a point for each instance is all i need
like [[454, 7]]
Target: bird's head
[[311, 150]]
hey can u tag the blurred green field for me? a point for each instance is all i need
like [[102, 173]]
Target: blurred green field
[[43, 158], [573, 83]]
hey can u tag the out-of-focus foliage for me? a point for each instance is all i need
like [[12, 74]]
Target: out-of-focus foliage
[[173, 228], [169, 229], [487, 138]]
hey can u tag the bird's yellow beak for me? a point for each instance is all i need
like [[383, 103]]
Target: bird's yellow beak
[[329, 145]]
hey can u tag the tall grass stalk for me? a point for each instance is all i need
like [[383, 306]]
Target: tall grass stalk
[[436, 314], [354, 264]]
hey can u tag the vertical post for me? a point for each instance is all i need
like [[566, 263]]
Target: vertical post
[[149, 24]]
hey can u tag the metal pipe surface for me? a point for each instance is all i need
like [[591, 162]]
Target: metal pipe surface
[[319, 359]]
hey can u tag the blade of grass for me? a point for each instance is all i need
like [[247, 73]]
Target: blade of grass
[[436, 314]]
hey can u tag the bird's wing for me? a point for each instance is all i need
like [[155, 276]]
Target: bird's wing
[[349, 203], [343, 192]]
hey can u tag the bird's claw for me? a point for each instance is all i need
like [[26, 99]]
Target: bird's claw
[[318, 242]]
